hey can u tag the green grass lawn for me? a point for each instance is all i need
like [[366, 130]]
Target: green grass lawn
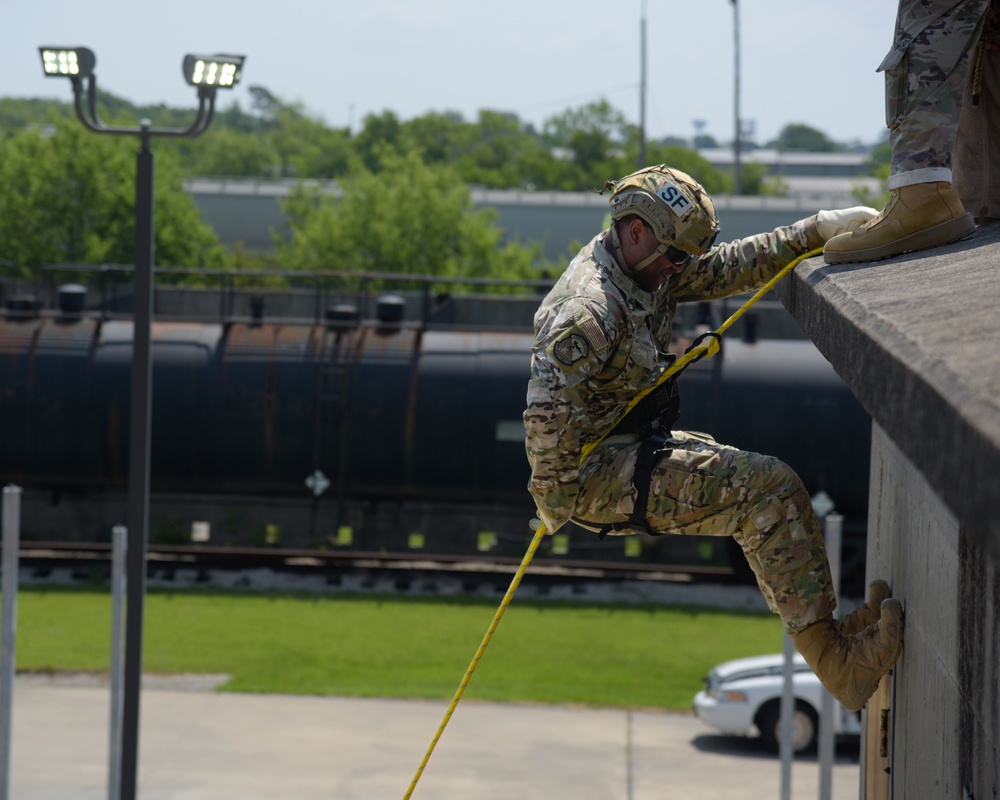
[[391, 646]]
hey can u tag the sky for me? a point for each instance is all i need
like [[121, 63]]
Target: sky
[[801, 61]]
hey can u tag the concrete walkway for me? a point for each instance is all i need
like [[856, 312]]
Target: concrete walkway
[[206, 745]]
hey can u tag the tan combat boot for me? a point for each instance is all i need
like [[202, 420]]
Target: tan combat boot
[[918, 216], [850, 667], [869, 613]]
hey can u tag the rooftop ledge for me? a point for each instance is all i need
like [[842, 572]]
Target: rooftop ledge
[[917, 338]]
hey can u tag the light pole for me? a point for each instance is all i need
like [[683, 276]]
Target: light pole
[[207, 74], [642, 88], [736, 98]]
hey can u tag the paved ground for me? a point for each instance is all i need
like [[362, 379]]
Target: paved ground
[[204, 745]]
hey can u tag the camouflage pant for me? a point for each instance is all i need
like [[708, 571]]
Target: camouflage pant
[[925, 76], [705, 488], [977, 144]]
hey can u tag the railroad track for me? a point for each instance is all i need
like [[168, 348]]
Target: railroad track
[[91, 561]]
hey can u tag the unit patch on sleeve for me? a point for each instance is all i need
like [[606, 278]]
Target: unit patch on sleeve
[[578, 343], [570, 349]]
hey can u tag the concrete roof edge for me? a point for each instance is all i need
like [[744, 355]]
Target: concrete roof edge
[[915, 376]]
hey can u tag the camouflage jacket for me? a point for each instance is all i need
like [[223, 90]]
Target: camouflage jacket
[[600, 339]]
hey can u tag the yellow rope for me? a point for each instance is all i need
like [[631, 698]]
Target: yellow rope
[[712, 347], [536, 540], [693, 354]]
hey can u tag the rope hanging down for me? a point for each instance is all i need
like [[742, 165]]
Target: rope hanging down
[[705, 345]]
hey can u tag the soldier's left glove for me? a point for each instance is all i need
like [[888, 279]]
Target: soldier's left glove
[[843, 220], [535, 524]]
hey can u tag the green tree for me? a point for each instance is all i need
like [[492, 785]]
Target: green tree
[[879, 165], [19, 114], [796, 137], [227, 152], [306, 148], [234, 117], [439, 138], [68, 196], [689, 161], [753, 179], [591, 134], [409, 218], [500, 153], [879, 160], [380, 133]]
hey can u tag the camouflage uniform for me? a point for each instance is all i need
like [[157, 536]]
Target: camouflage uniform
[[925, 77], [977, 143], [599, 340]]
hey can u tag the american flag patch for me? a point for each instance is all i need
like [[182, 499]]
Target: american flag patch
[[593, 333]]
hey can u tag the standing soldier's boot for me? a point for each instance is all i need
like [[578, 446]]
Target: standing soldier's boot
[[918, 216], [850, 666], [870, 612]]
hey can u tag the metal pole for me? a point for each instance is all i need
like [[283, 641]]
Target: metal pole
[[833, 526], [787, 720], [11, 540], [736, 99], [138, 486], [642, 88], [118, 585]]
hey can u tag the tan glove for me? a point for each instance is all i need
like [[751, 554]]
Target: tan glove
[[833, 223]]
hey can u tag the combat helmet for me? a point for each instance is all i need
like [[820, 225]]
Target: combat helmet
[[674, 205]]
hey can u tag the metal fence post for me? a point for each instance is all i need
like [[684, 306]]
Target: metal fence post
[[11, 541], [119, 534], [833, 527], [786, 747]]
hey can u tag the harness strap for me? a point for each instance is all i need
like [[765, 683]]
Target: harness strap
[[650, 449], [652, 418], [658, 409]]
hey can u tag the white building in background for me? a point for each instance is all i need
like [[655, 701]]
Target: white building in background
[[248, 210], [833, 179]]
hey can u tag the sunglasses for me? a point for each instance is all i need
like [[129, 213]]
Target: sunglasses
[[677, 257]]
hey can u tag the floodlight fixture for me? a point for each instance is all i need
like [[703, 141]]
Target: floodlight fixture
[[67, 62], [213, 72], [207, 73]]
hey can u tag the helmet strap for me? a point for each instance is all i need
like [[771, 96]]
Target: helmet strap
[[616, 242], [659, 251]]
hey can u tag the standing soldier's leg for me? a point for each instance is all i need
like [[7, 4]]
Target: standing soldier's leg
[[977, 142], [925, 76]]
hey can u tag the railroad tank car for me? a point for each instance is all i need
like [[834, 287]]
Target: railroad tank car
[[348, 411]]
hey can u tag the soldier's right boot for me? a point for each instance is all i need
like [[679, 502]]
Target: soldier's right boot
[[917, 217], [850, 666], [870, 612]]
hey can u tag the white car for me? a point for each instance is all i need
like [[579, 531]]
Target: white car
[[744, 697]]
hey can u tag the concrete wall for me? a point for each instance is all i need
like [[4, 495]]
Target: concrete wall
[[915, 339], [943, 735]]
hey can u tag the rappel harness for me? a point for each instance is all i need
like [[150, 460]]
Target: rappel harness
[[650, 420], [698, 349]]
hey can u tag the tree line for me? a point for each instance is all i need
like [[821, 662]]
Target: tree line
[[66, 195]]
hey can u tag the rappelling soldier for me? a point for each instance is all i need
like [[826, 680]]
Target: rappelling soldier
[[601, 338]]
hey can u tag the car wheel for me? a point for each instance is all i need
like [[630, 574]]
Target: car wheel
[[805, 725]]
